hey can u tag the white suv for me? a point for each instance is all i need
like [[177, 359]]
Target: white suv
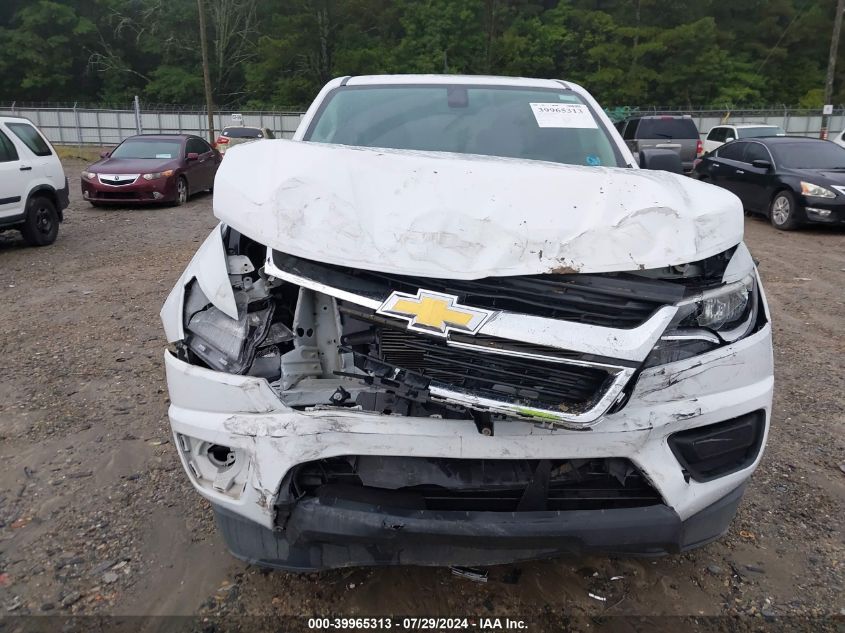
[[722, 134], [33, 186]]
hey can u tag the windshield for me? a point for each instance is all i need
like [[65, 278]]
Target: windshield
[[753, 132], [533, 123], [243, 132], [809, 155], [667, 127], [147, 148]]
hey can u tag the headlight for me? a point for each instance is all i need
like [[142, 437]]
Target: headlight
[[715, 309], [708, 320], [226, 344], [89, 175], [158, 174], [815, 191]]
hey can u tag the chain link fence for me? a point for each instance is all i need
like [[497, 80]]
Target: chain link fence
[[794, 121], [71, 124]]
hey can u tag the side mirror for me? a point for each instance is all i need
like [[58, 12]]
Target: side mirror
[[105, 154], [662, 160], [192, 156], [761, 164]]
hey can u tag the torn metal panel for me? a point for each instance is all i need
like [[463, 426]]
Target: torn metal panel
[[468, 217]]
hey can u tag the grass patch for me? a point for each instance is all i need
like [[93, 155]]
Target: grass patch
[[72, 152]]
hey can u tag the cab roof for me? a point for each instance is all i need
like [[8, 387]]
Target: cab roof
[[782, 140], [477, 80]]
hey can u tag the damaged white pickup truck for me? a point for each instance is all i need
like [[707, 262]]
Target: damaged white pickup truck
[[453, 322]]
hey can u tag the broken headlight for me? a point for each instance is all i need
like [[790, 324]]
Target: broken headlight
[[707, 320], [227, 344]]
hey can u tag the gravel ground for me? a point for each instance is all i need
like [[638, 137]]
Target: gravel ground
[[97, 517]]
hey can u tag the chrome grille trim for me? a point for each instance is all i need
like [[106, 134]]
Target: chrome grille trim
[[582, 420], [118, 180], [633, 344]]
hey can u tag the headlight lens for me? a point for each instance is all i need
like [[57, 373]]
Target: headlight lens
[[724, 306], [816, 191], [158, 174], [89, 175]]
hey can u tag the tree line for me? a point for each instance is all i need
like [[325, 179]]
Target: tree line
[[278, 53]]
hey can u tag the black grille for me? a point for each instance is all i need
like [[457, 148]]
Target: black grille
[[548, 384], [477, 484], [611, 300], [117, 195]]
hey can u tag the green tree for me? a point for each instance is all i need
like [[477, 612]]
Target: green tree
[[40, 55]]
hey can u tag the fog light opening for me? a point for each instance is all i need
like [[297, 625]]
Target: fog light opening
[[221, 456], [715, 450]]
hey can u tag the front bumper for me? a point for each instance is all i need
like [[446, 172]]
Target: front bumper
[[324, 535], [140, 192], [246, 414], [824, 211]]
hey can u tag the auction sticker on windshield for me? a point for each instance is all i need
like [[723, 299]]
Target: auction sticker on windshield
[[571, 115]]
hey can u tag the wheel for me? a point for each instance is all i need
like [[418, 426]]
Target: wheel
[[783, 211], [181, 192], [41, 226]]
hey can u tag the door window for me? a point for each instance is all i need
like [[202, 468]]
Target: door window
[[730, 135], [631, 129], [31, 138], [756, 151], [732, 151], [717, 134], [8, 152], [197, 146]]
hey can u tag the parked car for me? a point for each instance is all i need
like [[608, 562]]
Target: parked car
[[33, 186], [839, 139], [237, 134], [792, 180], [151, 168], [722, 134], [461, 326], [676, 132]]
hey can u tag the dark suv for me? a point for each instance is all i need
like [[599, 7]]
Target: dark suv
[[664, 132]]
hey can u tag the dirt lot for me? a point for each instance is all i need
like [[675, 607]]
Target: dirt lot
[[97, 517]]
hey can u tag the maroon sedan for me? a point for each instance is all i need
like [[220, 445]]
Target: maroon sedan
[[152, 168]]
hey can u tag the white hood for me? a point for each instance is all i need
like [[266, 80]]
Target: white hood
[[467, 217]]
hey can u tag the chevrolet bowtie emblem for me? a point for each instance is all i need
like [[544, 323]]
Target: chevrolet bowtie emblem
[[434, 313]]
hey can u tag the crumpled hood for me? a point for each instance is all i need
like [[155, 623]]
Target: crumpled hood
[[456, 216]]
